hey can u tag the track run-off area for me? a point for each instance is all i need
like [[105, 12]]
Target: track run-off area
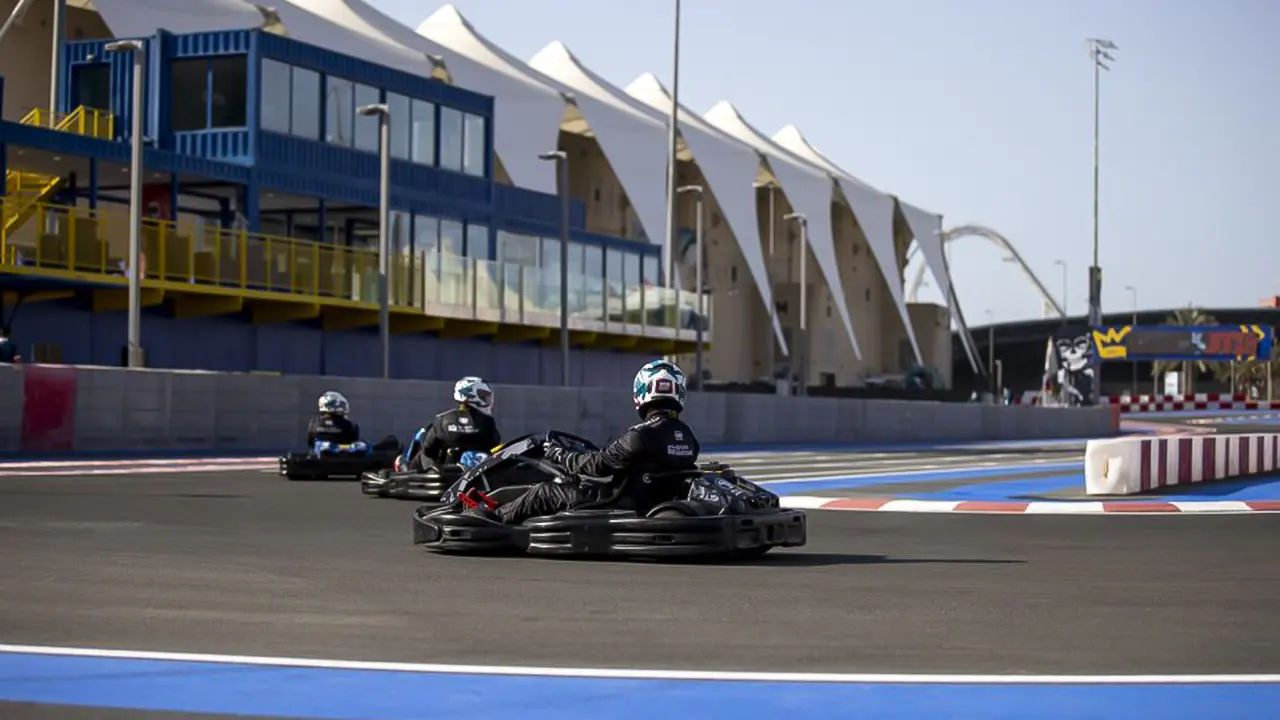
[[210, 587]]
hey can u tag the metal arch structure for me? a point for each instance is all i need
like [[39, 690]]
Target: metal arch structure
[[999, 241]]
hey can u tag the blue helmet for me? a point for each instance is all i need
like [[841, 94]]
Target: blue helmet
[[659, 382]]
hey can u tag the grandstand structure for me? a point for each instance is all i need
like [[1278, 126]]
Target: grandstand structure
[[261, 194]]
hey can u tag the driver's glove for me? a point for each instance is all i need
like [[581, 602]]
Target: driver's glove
[[554, 453]]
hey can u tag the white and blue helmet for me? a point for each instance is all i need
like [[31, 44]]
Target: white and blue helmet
[[659, 381], [474, 393], [333, 403]]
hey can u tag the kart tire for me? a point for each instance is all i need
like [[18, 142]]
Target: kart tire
[[670, 513]]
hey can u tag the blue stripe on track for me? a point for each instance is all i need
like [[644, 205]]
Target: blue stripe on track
[[333, 694], [799, 487]]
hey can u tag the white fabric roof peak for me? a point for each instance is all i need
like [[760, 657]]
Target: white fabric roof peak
[[632, 136], [809, 190], [730, 168], [874, 211]]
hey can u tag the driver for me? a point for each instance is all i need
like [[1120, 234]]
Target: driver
[[469, 426], [332, 424], [662, 442]]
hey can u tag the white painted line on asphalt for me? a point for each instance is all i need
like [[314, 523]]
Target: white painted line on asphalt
[[644, 674]]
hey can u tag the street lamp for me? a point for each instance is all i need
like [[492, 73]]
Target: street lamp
[[134, 353], [1063, 263], [1133, 293], [673, 218], [1098, 53], [562, 172], [991, 351], [698, 284], [383, 113], [803, 360]]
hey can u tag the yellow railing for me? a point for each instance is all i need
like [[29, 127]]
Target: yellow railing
[[77, 239], [84, 120]]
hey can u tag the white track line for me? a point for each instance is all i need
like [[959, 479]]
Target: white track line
[[643, 674]]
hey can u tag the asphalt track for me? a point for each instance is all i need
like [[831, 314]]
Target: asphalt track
[[244, 563]]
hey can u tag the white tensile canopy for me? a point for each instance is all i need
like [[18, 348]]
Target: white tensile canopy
[[874, 211], [810, 192], [927, 229], [632, 136], [730, 168]]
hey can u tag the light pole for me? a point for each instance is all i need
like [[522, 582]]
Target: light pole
[[383, 113], [803, 360], [673, 217], [135, 358], [55, 62], [1133, 293], [697, 277], [1063, 263], [991, 351], [562, 172], [1098, 53]]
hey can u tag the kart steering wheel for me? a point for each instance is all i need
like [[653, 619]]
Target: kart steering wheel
[[570, 441]]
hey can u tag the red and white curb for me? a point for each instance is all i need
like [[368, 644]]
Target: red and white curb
[[68, 468], [1036, 507]]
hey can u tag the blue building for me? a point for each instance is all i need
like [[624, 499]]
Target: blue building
[[260, 227]]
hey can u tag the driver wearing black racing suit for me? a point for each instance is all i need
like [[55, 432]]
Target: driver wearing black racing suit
[[469, 426], [332, 424], [661, 443]]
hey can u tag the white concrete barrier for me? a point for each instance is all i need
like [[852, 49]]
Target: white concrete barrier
[[1129, 465]]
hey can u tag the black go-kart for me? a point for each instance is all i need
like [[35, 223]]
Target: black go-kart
[[426, 485], [708, 512], [330, 460]]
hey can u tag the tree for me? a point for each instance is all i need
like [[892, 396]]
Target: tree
[[1188, 369]]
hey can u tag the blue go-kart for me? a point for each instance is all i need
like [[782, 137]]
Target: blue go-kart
[[425, 485], [328, 460]]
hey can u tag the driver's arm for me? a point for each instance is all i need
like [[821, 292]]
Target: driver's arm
[[620, 454], [312, 425]]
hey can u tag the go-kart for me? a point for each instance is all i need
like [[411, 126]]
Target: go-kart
[[332, 460], [427, 485], [708, 511]]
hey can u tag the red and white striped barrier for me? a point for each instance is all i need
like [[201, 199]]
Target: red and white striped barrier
[[1128, 466], [1171, 403]]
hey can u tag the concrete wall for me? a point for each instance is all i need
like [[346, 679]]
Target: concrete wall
[[149, 410]]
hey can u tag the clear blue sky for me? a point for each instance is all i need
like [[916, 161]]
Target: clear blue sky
[[982, 110]]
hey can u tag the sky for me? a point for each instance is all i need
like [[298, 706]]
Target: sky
[[982, 111]]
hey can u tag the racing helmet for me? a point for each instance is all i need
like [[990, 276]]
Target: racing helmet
[[474, 393], [334, 403], [659, 383]]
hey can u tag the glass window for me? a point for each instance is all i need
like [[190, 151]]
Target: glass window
[[339, 111], [613, 269], [451, 237], [399, 107], [450, 139], [631, 269], [575, 258], [92, 85], [593, 261], [426, 233], [477, 240], [366, 134], [229, 91], [517, 249], [473, 154], [190, 81], [650, 265], [275, 86], [423, 135], [551, 253], [399, 240], [305, 104]]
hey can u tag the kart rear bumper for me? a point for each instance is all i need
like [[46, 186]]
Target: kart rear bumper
[[613, 533], [425, 487], [304, 466]]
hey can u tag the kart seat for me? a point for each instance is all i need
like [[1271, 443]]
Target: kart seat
[[509, 493]]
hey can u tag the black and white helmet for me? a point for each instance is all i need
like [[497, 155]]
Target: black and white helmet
[[334, 403]]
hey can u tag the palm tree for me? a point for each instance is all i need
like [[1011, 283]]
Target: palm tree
[[1188, 369]]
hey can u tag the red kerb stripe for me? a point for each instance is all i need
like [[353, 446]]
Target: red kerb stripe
[[1144, 473], [980, 506], [1209, 458], [1139, 507], [857, 503], [1184, 461], [1162, 465], [1244, 454]]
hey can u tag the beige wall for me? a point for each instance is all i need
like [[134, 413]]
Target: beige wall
[[932, 324], [25, 52]]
